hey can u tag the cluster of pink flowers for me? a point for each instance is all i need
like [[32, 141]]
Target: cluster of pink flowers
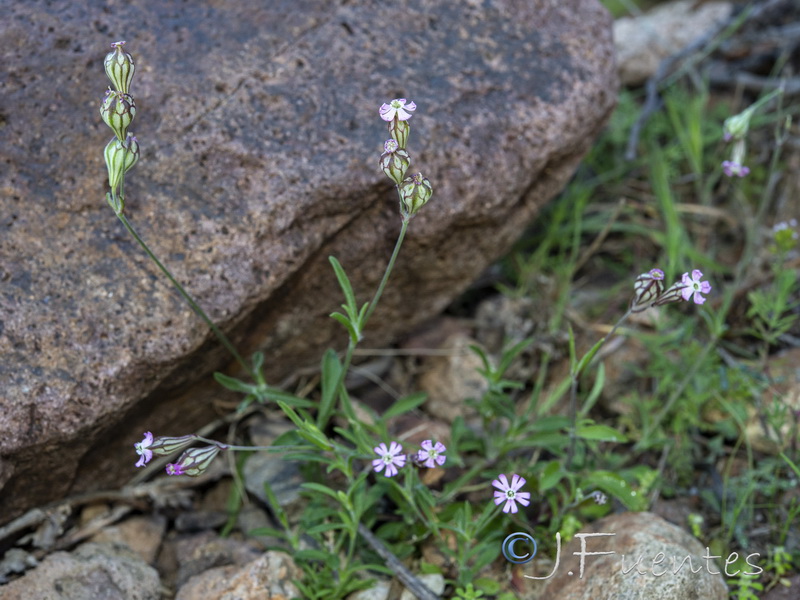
[[392, 458]]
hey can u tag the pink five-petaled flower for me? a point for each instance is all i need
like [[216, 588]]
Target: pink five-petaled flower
[[432, 455], [509, 493], [397, 108], [143, 449], [693, 286], [392, 459], [734, 169], [175, 469]]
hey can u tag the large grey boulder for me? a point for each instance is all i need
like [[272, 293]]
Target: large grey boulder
[[260, 137]]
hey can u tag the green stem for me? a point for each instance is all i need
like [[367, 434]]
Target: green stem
[[348, 358], [195, 307], [388, 271]]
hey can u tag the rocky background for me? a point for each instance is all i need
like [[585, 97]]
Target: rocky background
[[260, 138]]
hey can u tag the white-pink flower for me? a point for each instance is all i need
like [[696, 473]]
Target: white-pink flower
[[143, 449], [509, 493], [391, 458], [694, 287], [431, 455], [397, 108]]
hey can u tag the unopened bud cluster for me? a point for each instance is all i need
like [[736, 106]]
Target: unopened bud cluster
[[415, 190], [117, 111]]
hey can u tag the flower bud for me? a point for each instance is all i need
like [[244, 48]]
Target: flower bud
[[415, 191], [735, 127], [120, 157], [398, 130], [117, 111], [194, 461], [395, 161], [647, 287], [119, 67]]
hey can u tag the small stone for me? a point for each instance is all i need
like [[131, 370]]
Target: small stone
[[434, 581], [643, 563], [269, 577]]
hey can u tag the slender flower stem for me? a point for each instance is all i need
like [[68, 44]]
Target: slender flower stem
[[195, 307], [351, 346], [388, 272]]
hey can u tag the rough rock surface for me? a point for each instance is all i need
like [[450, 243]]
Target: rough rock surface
[[269, 577], [260, 138], [643, 561], [645, 40], [108, 571]]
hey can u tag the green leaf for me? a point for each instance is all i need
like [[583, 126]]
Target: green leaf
[[306, 429], [550, 476], [331, 372], [510, 354], [277, 395], [572, 355], [344, 283], [404, 405], [258, 361], [584, 362], [323, 527], [361, 319], [276, 507], [318, 487], [602, 433], [347, 323], [327, 558], [614, 485], [597, 388], [233, 384]]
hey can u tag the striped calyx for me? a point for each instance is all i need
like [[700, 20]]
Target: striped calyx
[[119, 67], [647, 288], [117, 111], [415, 191], [394, 161], [398, 130], [120, 157]]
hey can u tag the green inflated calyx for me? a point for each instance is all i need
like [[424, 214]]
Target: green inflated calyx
[[118, 111], [120, 157], [415, 191], [119, 68]]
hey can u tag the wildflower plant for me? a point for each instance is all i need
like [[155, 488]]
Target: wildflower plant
[[310, 442], [533, 466]]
